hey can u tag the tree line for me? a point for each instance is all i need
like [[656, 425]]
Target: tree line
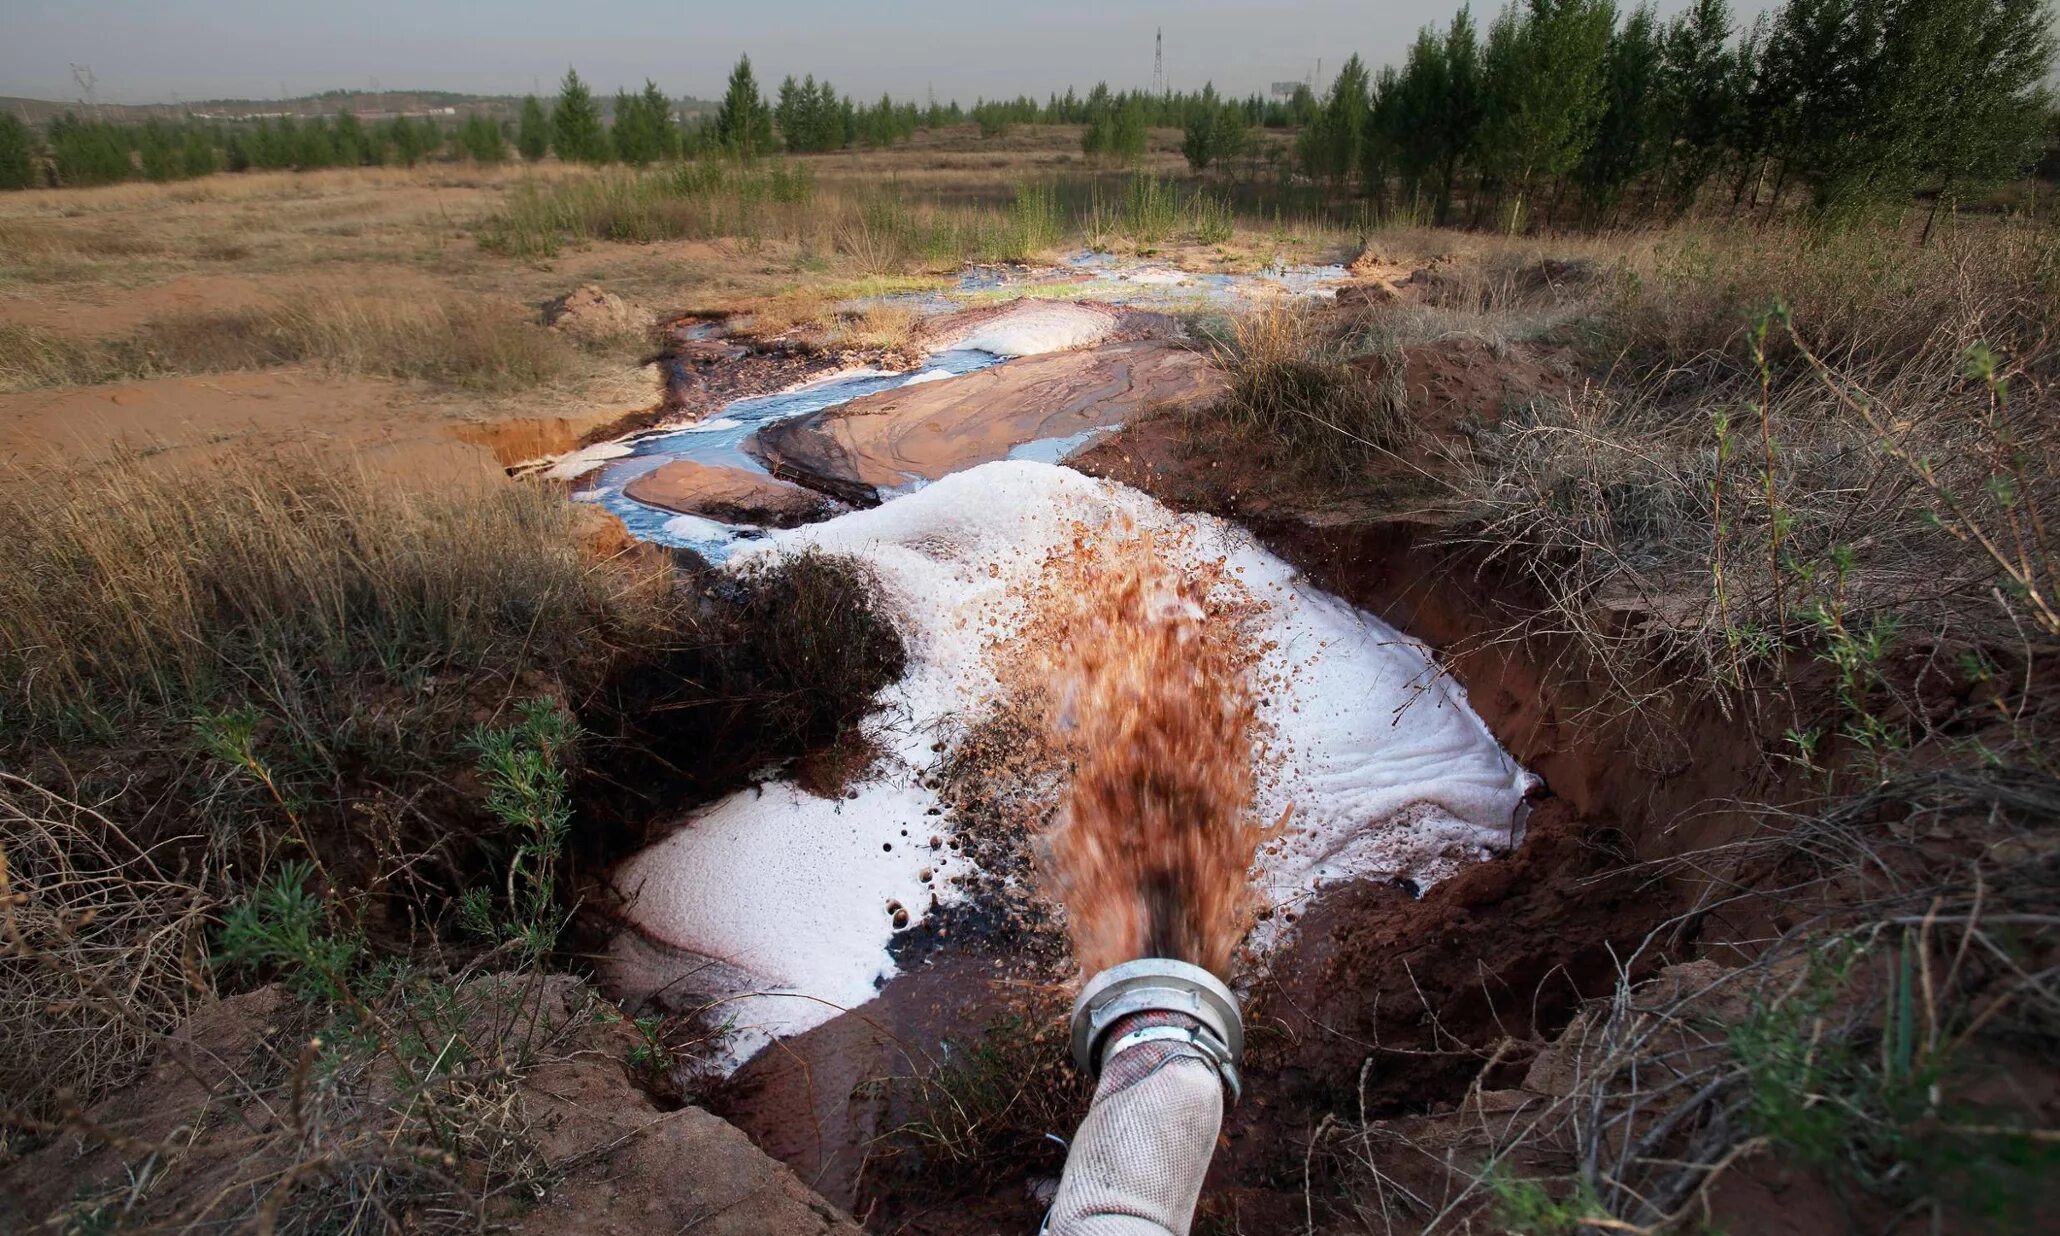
[[1571, 106], [640, 128], [1558, 108]]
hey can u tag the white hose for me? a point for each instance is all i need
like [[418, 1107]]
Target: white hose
[[1136, 1166]]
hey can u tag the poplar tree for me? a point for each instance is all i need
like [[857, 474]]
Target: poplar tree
[[576, 132], [533, 131], [1629, 139], [1970, 93], [1702, 81], [1544, 65]]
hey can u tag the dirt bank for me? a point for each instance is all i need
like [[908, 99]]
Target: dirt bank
[[547, 1070]]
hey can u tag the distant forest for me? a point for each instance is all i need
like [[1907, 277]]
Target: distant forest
[[1557, 111]]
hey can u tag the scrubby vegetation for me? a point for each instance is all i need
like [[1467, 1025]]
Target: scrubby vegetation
[[314, 727], [1802, 481], [880, 229]]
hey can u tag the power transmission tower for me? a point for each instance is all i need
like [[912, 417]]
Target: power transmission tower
[[1159, 62], [83, 74]]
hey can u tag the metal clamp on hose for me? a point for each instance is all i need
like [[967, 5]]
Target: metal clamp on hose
[[1159, 984]]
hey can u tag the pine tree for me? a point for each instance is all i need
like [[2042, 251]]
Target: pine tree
[[787, 114], [533, 133], [1215, 131], [743, 124], [1464, 108], [1100, 136], [1331, 142], [1127, 137], [1380, 146], [88, 152], [658, 115], [17, 153], [576, 132], [352, 147], [1408, 114], [196, 154], [158, 148], [18, 168], [633, 137], [410, 142], [480, 137]]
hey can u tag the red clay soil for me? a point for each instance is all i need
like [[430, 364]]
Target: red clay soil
[[1503, 953]]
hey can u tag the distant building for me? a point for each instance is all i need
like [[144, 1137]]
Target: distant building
[[1285, 90]]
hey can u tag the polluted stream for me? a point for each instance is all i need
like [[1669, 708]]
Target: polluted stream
[[774, 911]]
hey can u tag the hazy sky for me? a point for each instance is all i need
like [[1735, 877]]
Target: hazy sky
[[148, 51]]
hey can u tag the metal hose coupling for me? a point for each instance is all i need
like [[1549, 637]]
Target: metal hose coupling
[[1159, 985]]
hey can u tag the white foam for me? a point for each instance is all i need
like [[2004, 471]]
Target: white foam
[[575, 464], [930, 375], [697, 528], [1389, 771], [1156, 276], [791, 892], [852, 374], [715, 426], [1033, 327]]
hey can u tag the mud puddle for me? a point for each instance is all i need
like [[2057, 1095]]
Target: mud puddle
[[1032, 311]]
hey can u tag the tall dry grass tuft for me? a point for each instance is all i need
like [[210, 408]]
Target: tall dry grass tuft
[[1293, 385], [136, 592], [1867, 297]]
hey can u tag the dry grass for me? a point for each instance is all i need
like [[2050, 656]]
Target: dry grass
[[1293, 387], [134, 590], [986, 1108], [1755, 482], [810, 317], [465, 344], [883, 328], [98, 940]]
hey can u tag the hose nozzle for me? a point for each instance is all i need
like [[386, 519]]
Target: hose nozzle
[[1158, 985]]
